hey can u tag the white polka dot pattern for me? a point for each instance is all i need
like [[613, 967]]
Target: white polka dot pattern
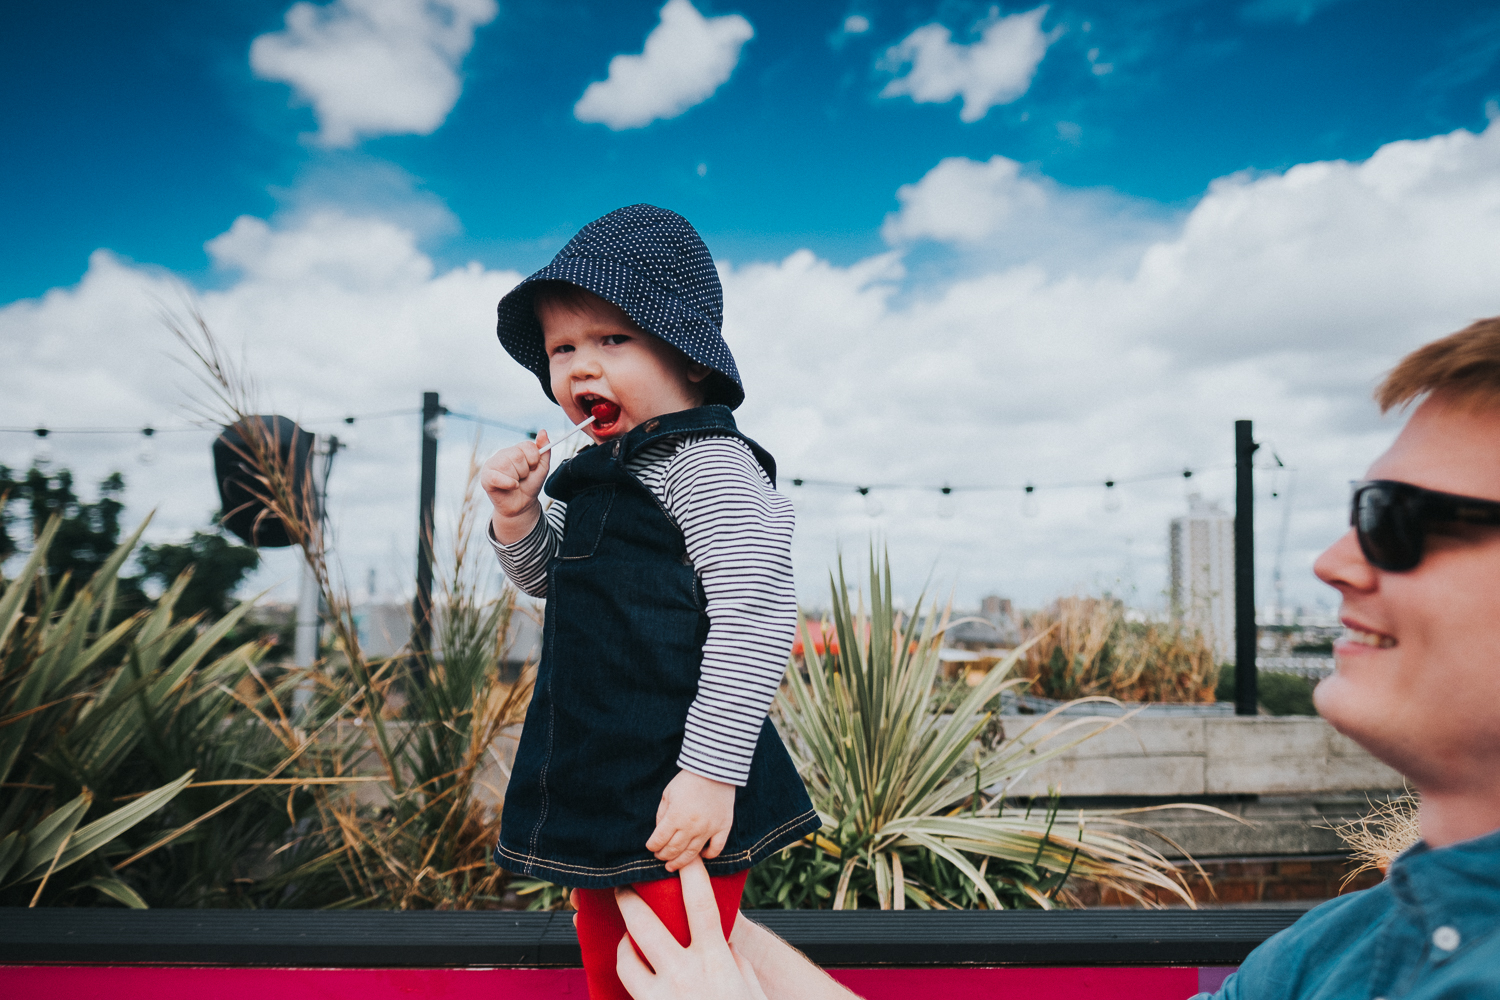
[[651, 263]]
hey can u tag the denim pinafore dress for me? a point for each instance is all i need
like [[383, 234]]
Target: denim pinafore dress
[[621, 651]]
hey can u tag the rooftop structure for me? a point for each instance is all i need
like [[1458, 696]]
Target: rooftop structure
[[1202, 552]]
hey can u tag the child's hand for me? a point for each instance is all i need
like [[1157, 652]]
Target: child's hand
[[693, 819], [512, 478]]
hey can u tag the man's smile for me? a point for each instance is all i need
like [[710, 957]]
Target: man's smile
[[1360, 636]]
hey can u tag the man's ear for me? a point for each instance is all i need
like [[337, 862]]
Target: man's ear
[[697, 371]]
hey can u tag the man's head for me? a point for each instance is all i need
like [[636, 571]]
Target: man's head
[[651, 265], [1418, 675], [601, 363]]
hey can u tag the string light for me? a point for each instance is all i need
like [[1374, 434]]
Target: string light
[[873, 506], [1111, 497], [864, 489], [945, 502]]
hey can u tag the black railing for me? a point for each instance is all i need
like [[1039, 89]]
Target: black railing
[[289, 938]]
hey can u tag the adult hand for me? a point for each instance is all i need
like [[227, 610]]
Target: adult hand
[[707, 969]]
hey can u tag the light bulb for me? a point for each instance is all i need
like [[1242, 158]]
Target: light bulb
[[873, 506], [42, 454], [1028, 502], [945, 503], [1111, 496]]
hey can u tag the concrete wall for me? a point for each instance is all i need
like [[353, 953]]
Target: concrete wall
[[1194, 756]]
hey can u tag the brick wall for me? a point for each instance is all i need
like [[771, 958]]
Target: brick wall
[[1266, 880]]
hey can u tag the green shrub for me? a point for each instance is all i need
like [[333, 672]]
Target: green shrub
[[1278, 693]]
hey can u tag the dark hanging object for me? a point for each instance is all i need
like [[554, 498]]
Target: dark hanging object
[[241, 511]]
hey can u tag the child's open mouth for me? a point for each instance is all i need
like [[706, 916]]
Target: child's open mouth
[[602, 410]]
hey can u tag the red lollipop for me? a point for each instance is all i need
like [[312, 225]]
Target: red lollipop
[[604, 412]]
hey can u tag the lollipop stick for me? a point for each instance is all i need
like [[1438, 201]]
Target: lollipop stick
[[575, 430]]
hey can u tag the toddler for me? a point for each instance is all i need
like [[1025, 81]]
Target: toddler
[[665, 560]]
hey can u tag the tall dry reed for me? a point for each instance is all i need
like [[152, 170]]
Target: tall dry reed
[[425, 725], [1085, 646]]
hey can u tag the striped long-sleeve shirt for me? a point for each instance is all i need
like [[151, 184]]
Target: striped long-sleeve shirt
[[738, 531]]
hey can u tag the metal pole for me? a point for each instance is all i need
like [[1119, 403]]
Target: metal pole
[[309, 595], [421, 610], [1245, 700]]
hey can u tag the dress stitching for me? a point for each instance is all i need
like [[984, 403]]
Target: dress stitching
[[742, 855]]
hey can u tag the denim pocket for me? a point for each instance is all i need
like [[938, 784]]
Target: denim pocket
[[588, 510]]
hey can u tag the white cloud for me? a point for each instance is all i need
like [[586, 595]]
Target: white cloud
[[335, 314], [686, 58], [1277, 297], [856, 24], [996, 69], [963, 201], [373, 67], [1018, 216]]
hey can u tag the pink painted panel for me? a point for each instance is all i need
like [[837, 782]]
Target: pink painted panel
[[158, 983], [1019, 983]]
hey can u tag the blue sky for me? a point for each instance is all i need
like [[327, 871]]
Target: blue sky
[[142, 128], [1124, 133]]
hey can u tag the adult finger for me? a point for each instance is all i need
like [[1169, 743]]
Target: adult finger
[[634, 974], [698, 900], [650, 934]]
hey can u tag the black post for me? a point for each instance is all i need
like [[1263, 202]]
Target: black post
[[1244, 571], [421, 609]]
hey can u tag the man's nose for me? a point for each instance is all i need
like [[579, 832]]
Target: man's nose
[[1344, 566]]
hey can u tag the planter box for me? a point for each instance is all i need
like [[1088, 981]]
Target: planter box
[[1189, 756], [472, 939], [292, 955]]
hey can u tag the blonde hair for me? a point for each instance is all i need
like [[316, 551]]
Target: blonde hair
[[1463, 366]]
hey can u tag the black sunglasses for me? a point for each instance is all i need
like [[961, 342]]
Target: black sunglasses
[[1392, 520]]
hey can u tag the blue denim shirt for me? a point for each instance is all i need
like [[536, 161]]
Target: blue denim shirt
[[1431, 929]]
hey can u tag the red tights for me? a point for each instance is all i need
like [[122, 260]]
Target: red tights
[[600, 925]]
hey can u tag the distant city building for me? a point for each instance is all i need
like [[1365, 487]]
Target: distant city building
[[1202, 547], [995, 629]]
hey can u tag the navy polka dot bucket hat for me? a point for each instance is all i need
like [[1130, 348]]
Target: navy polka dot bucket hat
[[652, 264]]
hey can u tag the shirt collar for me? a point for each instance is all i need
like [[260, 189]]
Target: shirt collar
[[1456, 886]]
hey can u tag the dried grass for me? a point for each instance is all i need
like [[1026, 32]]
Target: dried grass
[[1375, 838], [1085, 647], [426, 726]]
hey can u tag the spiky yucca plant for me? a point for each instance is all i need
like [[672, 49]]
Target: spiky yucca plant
[[898, 770], [104, 726]]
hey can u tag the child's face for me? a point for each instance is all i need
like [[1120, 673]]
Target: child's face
[[598, 354]]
